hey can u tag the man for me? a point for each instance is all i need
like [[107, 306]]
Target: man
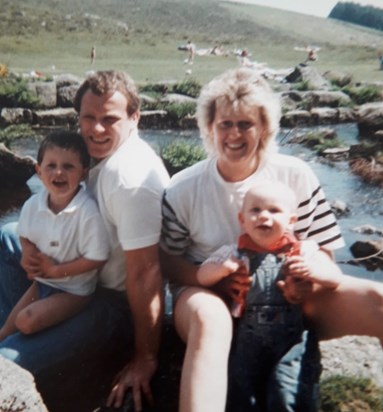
[[127, 181]]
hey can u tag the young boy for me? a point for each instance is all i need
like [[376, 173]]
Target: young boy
[[63, 239], [268, 326]]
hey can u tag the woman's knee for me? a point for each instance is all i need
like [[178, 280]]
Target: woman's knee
[[205, 316]]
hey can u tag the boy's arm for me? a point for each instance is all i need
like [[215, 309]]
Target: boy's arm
[[29, 257], [51, 269]]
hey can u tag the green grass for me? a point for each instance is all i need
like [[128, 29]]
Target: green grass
[[42, 34]]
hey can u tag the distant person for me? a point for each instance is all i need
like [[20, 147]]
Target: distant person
[[93, 55], [61, 226], [244, 60], [191, 49], [312, 54], [380, 57]]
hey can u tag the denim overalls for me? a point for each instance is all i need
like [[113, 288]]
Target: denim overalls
[[269, 329]]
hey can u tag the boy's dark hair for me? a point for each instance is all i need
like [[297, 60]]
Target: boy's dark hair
[[65, 140]]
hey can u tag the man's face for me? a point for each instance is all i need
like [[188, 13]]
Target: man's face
[[104, 123]]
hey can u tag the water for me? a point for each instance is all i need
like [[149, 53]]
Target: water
[[364, 201]]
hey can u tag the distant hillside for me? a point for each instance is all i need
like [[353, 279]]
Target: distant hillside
[[141, 36], [367, 16]]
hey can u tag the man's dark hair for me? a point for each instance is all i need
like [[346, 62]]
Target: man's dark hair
[[109, 82], [65, 140]]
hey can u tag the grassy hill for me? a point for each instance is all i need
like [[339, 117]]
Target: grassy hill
[[141, 37]]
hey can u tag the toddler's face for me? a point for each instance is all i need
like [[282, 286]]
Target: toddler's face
[[265, 217]]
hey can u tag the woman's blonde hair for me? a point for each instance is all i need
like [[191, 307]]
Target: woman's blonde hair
[[242, 86]]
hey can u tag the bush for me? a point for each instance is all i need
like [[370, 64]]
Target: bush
[[363, 94], [181, 154], [302, 86], [15, 132], [347, 394], [188, 87], [177, 111], [319, 140], [14, 92]]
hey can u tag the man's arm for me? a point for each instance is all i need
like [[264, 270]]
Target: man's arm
[[145, 295], [178, 269]]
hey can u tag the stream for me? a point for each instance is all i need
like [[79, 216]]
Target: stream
[[364, 201]]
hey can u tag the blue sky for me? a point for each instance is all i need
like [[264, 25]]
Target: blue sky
[[317, 8]]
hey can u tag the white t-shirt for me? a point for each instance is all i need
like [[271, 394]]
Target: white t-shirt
[[200, 208], [77, 231], [128, 186]]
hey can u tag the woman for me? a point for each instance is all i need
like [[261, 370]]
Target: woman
[[238, 116]]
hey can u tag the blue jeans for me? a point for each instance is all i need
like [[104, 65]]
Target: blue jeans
[[101, 331]]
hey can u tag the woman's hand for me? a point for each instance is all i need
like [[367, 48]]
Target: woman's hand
[[236, 285]]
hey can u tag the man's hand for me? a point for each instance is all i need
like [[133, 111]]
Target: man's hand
[[136, 376]]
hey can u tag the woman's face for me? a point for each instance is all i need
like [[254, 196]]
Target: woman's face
[[236, 133]]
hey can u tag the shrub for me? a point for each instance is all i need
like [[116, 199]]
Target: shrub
[[181, 154], [363, 94], [188, 87], [302, 86], [155, 89], [347, 394], [177, 111], [319, 140], [14, 92], [14, 132]]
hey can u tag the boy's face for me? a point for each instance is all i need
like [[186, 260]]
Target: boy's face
[[61, 172], [266, 216]]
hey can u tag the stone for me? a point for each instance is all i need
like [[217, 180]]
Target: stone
[[56, 117], [18, 115], [14, 170], [46, 93], [369, 117], [18, 390], [310, 76]]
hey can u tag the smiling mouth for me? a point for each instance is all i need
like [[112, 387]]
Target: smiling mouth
[[235, 146], [99, 141], [59, 184]]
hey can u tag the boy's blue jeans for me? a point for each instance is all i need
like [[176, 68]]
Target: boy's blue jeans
[[102, 328]]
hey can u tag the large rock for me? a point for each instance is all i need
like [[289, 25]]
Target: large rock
[[66, 94], [14, 170], [17, 115], [354, 356], [313, 79], [18, 391], [369, 253], [321, 98], [66, 117], [369, 117], [46, 93]]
